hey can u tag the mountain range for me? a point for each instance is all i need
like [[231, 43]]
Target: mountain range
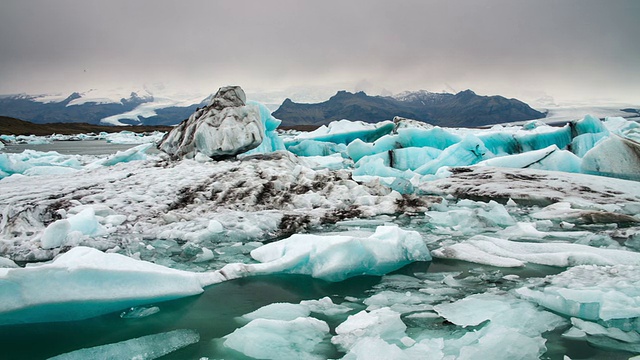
[[462, 109]]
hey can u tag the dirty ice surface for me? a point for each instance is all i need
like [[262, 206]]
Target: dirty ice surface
[[394, 241]]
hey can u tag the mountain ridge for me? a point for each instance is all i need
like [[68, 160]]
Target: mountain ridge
[[465, 108]]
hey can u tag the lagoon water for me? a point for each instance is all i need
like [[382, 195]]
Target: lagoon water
[[87, 147]]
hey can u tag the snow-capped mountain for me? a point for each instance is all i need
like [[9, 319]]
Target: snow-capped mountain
[[144, 106]]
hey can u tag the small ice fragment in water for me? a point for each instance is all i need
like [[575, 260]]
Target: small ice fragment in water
[[142, 348], [139, 312]]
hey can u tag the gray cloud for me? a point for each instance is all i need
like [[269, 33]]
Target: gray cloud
[[573, 49]]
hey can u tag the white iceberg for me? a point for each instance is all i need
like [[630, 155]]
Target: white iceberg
[[505, 253], [279, 339], [335, 258]]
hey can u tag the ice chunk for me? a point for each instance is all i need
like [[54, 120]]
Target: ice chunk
[[472, 310], [139, 312], [549, 158], [345, 131], [7, 263], [279, 339], [615, 156], [504, 253], [279, 311], [129, 137], [589, 125], [335, 258], [143, 348], [316, 148], [593, 293], [382, 323], [135, 153], [56, 234], [325, 306], [271, 141], [469, 151], [581, 144], [66, 288]]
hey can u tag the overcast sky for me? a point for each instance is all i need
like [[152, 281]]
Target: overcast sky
[[577, 49]]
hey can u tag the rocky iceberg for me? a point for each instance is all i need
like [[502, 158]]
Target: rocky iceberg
[[226, 127]]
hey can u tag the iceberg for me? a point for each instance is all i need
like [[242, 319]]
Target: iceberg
[[487, 250], [271, 141], [469, 151], [143, 348], [614, 156], [225, 127], [345, 132], [335, 258]]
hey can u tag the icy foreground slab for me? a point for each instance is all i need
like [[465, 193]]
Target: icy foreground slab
[[335, 258], [85, 282], [505, 253], [142, 348]]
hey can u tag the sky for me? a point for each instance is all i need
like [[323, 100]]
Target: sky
[[570, 50]]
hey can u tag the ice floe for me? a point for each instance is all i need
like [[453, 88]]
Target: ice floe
[[505, 253], [144, 348]]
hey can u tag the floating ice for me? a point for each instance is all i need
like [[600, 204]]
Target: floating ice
[[142, 348], [504, 253], [66, 289], [615, 156], [469, 151], [605, 337], [596, 293], [335, 258], [316, 148], [382, 323], [325, 306], [279, 311], [279, 339], [549, 158], [345, 131], [139, 312], [135, 153], [129, 137]]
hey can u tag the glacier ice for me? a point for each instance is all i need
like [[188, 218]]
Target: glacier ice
[[144, 348]]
